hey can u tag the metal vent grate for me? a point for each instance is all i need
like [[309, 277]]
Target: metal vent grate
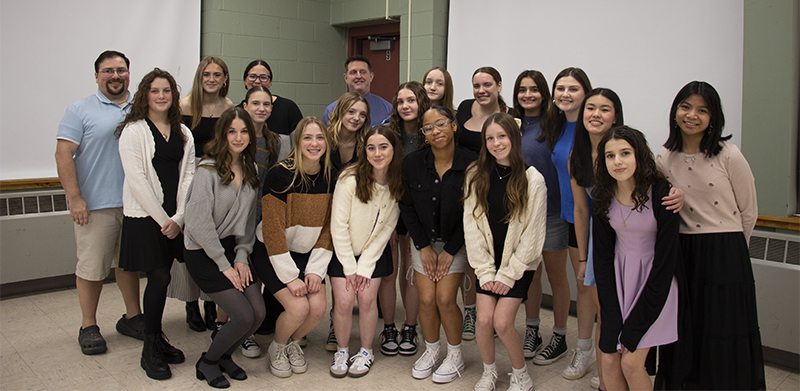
[[775, 247], [14, 204]]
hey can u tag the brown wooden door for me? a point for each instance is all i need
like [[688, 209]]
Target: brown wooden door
[[385, 63]]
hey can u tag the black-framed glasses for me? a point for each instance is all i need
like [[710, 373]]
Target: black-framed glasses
[[264, 78], [440, 124], [110, 72]]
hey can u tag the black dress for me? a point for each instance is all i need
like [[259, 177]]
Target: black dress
[[143, 247], [202, 133]]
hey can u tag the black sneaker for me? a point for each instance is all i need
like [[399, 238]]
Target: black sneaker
[[408, 343], [555, 350], [389, 345], [533, 341], [133, 327]]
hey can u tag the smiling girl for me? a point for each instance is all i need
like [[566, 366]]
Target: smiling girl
[[439, 86], [636, 256], [157, 153], [348, 123], [505, 209]]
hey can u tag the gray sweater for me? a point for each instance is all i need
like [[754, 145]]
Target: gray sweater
[[215, 211]]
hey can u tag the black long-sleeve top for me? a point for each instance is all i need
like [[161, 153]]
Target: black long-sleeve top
[[432, 208], [649, 305]]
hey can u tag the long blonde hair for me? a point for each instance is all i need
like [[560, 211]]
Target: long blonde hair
[[336, 126], [294, 162], [196, 94]]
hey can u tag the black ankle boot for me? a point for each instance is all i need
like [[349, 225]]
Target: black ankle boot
[[211, 314], [170, 353], [219, 381], [152, 361], [226, 364], [193, 317]]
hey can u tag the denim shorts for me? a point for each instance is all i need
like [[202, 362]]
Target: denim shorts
[[556, 233]]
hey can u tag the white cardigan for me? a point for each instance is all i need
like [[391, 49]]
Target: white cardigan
[[522, 249], [142, 195], [359, 228]]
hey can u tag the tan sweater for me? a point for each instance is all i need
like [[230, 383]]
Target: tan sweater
[[522, 250], [719, 192], [359, 228]]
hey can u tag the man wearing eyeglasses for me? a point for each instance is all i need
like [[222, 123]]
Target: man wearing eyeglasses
[[358, 76], [90, 171]]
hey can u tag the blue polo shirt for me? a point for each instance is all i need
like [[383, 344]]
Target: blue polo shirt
[[90, 123], [379, 109]]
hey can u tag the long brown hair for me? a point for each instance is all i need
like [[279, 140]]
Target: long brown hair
[[423, 104], [447, 97], [141, 108], [478, 173], [336, 126], [271, 137], [645, 175], [362, 169], [196, 94], [294, 162], [547, 100], [555, 117], [217, 149]]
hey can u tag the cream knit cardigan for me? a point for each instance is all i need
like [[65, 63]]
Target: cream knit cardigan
[[142, 195], [522, 250]]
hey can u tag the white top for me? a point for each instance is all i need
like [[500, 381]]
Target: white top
[[142, 195], [522, 249], [359, 228]]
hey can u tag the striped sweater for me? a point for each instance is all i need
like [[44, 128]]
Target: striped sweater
[[296, 219]]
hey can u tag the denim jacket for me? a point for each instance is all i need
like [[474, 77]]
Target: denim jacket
[[432, 208]]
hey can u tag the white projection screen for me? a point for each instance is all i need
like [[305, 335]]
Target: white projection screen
[[47, 54], [643, 50]]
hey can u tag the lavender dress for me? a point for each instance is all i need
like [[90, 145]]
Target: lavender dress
[[633, 260]]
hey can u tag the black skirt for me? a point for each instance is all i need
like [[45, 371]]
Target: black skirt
[[267, 273], [205, 272], [518, 291], [383, 267], [143, 248], [726, 342]]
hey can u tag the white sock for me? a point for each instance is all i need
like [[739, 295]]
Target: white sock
[[533, 322], [469, 306], [560, 330], [490, 367], [520, 370], [432, 346], [585, 344], [345, 350], [451, 348]]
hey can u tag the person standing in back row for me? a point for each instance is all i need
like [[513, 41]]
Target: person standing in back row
[[90, 171], [358, 76]]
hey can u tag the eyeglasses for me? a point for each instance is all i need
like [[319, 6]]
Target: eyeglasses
[[110, 72], [264, 78], [440, 124]]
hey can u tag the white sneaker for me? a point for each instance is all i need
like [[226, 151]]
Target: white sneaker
[[425, 364], [339, 366], [250, 348], [581, 360], [487, 381], [521, 382], [296, 357], [361, 363], [595, 381], [451, 367], [278, 361]]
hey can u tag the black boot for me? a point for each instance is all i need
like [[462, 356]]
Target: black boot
[[152, 361], [211, 314], [170, 353], [193, 317]]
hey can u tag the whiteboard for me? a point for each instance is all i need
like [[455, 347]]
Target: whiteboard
[[645, 51], [47, 54]]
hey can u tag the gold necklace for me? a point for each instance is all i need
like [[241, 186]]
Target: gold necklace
[[501, 176], [624, 219]]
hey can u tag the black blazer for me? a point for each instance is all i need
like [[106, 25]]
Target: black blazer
[[425, 196]]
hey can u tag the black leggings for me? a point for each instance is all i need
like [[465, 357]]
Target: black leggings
[[155, 297], [246, 312]]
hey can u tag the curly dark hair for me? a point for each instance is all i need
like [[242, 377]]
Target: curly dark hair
[[645, 176], [141, 109], [423, 104]]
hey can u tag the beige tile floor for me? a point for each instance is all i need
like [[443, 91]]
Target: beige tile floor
[[39, 351]]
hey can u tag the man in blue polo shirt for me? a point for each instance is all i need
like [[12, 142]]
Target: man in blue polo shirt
[[358, 76], [90, 171]]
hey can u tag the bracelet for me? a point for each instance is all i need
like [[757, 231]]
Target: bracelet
[[582, 260]]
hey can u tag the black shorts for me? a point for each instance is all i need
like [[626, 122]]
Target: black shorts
[[518, 291], [573, 240], [383, 267], [271, 281]]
